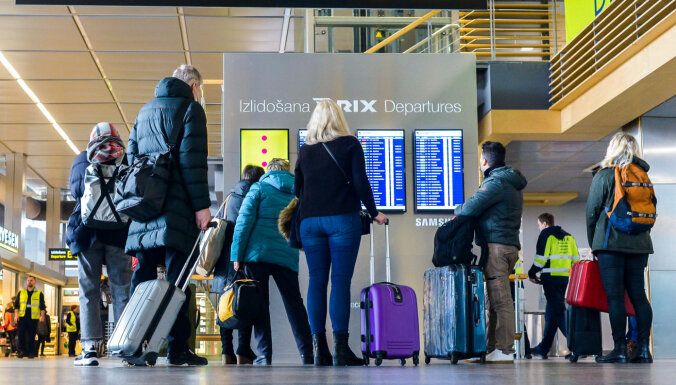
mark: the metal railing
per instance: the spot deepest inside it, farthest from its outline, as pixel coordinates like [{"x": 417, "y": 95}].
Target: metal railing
[{"x": 606, "y": 40}]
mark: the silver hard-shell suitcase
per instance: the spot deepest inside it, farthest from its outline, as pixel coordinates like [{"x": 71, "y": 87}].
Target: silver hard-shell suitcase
[{"x": 149, "y": 316}]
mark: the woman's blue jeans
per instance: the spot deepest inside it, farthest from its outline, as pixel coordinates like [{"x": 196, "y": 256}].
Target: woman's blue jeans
[{"x": 331, "y": 245}]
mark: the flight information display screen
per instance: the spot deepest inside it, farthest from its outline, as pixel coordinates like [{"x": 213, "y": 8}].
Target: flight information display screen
[
  {"x": 385, "y": 167},
  {"x": 302, "y": 134},
  {"x": 439, "y": 184}
]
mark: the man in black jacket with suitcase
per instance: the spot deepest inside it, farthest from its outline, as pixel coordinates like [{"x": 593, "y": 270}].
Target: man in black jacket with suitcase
[
  {"x": 498, "y": 205},
  {"x": 169, "y": 238}
]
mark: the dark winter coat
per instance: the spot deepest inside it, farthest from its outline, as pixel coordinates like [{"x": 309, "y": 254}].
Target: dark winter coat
[
  {"x": 601, "y": 195},
  {"x": 78, "y": 237},
  {"x": 499, "y": 205},
  {"x": 189, "y": 189},
  {"x": 223, "y": 268}
]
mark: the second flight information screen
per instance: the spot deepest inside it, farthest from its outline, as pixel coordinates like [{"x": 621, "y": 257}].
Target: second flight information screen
[
  {"x": 385, "y": 167},
  {"x": 438, "y": 170}
]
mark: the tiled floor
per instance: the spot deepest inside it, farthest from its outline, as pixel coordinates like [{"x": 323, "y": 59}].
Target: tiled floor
[{"x": 60, "y": 371}]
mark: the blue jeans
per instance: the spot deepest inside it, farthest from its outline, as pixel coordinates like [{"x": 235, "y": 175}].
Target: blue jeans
[
  {"x": 331, "y": 244},
  {"x": 555, "y": 313},
  {"x": 90, "y": 263}
]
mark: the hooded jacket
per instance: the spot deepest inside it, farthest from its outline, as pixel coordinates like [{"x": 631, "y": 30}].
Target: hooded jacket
[
  {"x": 601, "y": 195},
  {"x": 555, "y": 253},
  {"x": 498, "y": 204},
  {"x": 256, "y": 237},
  {"x": 188, "y": 188},
  {"x": 79, "y": 237}
]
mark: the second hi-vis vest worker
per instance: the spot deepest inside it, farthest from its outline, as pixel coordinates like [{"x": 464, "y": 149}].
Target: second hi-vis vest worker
[
  {"x": 555, "y": 253},
  {"x": 34, "y": 303},
  {"x": 71, "y": 324}
]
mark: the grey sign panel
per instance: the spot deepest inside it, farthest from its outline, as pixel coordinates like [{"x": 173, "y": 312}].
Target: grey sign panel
[{"x": 380, "y": 91}]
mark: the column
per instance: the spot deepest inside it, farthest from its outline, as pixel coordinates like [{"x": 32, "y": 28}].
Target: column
[
  {"x": 16, "y": 181},
  {"x": 53, "y": 227}
]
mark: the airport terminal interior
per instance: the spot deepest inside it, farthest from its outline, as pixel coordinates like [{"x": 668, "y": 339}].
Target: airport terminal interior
[{"x": 423, "y": 86}]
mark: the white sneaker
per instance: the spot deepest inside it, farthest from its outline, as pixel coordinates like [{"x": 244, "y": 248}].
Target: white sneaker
[
  {"x": 87, "y": 358},
  {"x": 498, "y": 357}
]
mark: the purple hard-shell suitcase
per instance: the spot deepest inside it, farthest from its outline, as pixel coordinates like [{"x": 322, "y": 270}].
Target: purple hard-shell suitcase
[{"x": 389, "y": 318}]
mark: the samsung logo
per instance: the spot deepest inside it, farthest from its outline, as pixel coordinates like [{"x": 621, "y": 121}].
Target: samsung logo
[{"x": 431, "y": 222}]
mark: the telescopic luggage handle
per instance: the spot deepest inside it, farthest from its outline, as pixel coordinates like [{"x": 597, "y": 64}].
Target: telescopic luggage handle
[
  {"x": 183, "y": 279},
  {"x": 387, "y": 254}
]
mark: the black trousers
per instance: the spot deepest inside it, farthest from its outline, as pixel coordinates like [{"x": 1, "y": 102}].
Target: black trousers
[
  {"x": 620, "y": 271},
  {"x": 146, "y": 270},
  {"x": 243, "y": 342},
  {"x": 555, "y": 314},
  {"x": 28, "y": 328},
  {"x": 287, "y": 283},
  {"x": 72, "y": 342},
  {"x": 40, "y": 345}
]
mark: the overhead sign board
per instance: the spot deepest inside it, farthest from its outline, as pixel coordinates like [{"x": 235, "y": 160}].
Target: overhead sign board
[
  {"x": 61, "y": 255},
  {"x": 9, "y": 240},
  {"x": 377, "y": 4}
]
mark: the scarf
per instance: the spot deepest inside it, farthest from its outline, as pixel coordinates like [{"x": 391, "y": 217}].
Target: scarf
[{"x": 105, "y": 145}]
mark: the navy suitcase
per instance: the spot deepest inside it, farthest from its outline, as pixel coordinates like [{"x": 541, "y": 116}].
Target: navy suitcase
[{"x": 454, "y": 313}]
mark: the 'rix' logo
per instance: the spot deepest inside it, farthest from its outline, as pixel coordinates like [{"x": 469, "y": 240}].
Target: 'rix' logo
[{"x": 355, "y": 105}]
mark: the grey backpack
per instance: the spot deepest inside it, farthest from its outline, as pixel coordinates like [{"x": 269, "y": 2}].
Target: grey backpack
[{"x": 97, "y": 207}]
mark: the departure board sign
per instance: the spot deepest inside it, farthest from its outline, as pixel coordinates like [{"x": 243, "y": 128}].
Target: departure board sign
[
  {"x": 439, "y": 184},
  {"x": 385, "y": 167},
  {"x": 258, "y": 146},
  {"x": 61, "y": 255},
  {"x": 377, "y": 4},
  {"x": 302, "y": 134}
]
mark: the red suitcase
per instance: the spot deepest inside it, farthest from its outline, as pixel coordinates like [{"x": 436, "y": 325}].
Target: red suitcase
[{"x": 586, "y": 289}]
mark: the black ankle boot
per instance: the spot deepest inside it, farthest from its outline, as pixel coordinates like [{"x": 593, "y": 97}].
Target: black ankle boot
[
  {"x": 642, "y": 354},
  {"x": 618, "y": 355},
  {"x": 342, "y": 355},
  {"x": 322, "y": 352}
]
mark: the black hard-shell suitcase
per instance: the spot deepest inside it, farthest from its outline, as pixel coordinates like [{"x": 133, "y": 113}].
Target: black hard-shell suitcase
[
  {"x": 584, "y": 332},
  {"x": 150, "y": 314}
]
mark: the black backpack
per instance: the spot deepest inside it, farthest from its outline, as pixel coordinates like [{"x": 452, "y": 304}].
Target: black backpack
[
  {"x": 142, "y": 187},
  {"x": 453, "y": 243}
]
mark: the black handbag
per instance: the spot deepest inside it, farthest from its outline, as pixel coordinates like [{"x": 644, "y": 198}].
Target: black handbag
[
  {"x": 240, "y": 304},
  {"x": 142, "y": 188},
  {"x": 364, "y": 217}
]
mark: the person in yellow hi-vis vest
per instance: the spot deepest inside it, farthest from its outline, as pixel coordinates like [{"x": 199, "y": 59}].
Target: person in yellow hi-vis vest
[
  {"x": 556, "y": 251},
  {"x": 29, "y": 308},
  {"x": 73, "y": 328}
]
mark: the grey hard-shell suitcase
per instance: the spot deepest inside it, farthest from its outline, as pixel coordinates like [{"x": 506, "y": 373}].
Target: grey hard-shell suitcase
[{"x": 149, "y": 316}]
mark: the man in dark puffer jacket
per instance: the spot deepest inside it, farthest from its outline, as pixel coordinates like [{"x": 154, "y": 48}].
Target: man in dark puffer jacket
[
  {"x": 498, "y": 205},
  {"x": 169, "y": 238}
]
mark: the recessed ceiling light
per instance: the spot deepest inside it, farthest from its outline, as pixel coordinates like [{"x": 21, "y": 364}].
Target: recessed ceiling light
[{"x": 12, "y": 71}]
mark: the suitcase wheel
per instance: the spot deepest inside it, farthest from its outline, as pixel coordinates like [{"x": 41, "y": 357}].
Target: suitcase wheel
[
  {"x": 402, "y": 362},
  {"x": 482, "y": 359},
  {"x": 454, "y": 358},
  {"x": 366, "y": 359},
  {"x": 379, "y": 361},
  {"x": 151, "y": 359},
  {"x": 428, "y": 359},
  {"x": 573, "y": 358},
  {"x": 416, "y": 358}
]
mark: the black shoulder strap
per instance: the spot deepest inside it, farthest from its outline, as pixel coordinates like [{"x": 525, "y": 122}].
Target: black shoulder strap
[
  {"x": 336, "y": 162},
  {"x": 178, "y": 123}
]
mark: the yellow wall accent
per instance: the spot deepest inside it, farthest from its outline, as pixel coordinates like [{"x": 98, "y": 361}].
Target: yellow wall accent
[{"x": 579, "y": 13}]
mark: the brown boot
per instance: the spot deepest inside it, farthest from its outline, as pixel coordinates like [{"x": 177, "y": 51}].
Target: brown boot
[
  {"x": 631, "y": 348},
  {"x": 244, "y": 360},
  {"x": 228, "y": 359}
]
